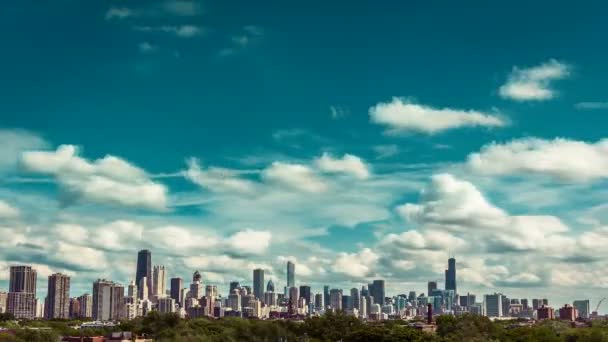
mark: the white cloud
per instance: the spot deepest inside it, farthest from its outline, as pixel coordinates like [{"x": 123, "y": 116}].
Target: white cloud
[
  {"x": 358, "y": 265},
  {"x": 15, "y": 141},
  {"x": 534, "y": 84},
  {"x": 403, "y": 115},
  {"x": 106, "y": 180},
  {"x": 183, "y": 31},
  {"x": 118, "y": 13},
  {"x": 296, "y": 176},
  {"x": 146, "y": 47},
  {"x": 564, "y": 159},
  {"x": 385, "y": 151},
  {"x": 8, "y": 211},
  {"x": 455, "y": 205},
  {"x": 118, "y": 235},
  {"x": 349, "y": 164},
  {"x": 250, "y": 241},
  {"x": 217, "y": 179},
  {"x": 182, "y": 7},
  {"x": 591, "y": 105},
  {"x": 338, "y": 112}
]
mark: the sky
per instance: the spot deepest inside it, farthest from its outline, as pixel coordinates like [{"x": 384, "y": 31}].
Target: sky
[{"x": 361, "y": 140}]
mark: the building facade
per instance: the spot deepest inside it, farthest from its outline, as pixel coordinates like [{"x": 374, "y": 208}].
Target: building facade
[
  {"x": 57, "y": 305},
  {"x": 21, "y": 298}
]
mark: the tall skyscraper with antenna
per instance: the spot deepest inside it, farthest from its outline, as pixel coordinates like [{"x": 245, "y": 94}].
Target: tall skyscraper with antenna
[{"x": 450, "y": 275}]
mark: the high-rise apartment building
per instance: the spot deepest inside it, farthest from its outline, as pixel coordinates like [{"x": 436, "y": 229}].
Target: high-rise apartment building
[
  {"x": 21, "y": 298},
  {"x": 108, "y": 300},
  {"x": 144, "y": 269},
  {"x": 86, "y": 305},
  {"x": 57, "y": 304}
]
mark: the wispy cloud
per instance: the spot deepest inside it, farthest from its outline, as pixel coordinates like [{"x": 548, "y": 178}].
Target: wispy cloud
[
  {"x": 238, "y": 42},
  {"x": 534, "y": 84},
  {"x": 591, "y": 105},
  {"x": 118, "y": 13},
  {"x": 145, "y": 47},
  {"x": 183, "y": 31},
  {"x": 403, "y": 115},
  {"x": 338, "y": 112}
]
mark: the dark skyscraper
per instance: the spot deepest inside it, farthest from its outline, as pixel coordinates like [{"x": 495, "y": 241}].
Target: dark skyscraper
[
  {"x": 177, "y": 284},
  {"x": 432, "y": 285},
  {"x": 326, "y": 295},
  {"x": 450, "y": 275},
  {"x": 233, "y": 285},
  {"x": 258, "y": 283},
  {"x": 305, "y": 293},
  {"x": 144, "y": 269},
  {"x": 291, "y": 274},
  {"x": 57, "y": 304},
  {"x": 376, "y": 290}
]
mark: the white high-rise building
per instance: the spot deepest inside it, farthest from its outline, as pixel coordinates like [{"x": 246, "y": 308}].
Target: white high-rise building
[
  {"x": 132, "y": 289},
  {"x": 234, "y": 300},
  {"x": 159, "y": 282},
  {"x": 143, "y": 287},
  {"x": 363, "y": 307}
]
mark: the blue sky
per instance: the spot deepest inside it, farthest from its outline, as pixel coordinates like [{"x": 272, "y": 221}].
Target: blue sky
[{"x": 362, "y": 141}]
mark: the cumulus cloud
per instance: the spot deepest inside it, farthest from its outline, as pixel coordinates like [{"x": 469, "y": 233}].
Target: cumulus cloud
[
  {"x": 250, "y": 241},
  {"x": 403, "y": 115},
  {"x": 8, "y": 211},
  {"x": 15, "y": 141},
  {"x": 455, "y": 205},
  {"x": 348, "y": 164},
  {"x": 534, "y": 84},
  {"x": 107, "y": 180},
  {"x": 296, "y": 176},
  {"x": 360, "y": 264},
  {"x": 568, "y": 160}
]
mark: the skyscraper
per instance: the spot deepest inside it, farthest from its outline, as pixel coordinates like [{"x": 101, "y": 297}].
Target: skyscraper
[
  {"x": 258, "y": 283},
  {"x": 144, "y": 269},
  {"x": 450, "y": 275},
  {"x": 305, "y": 293},
  {"x": 376, "y": 290},
  {"x": 176, "y": 289},
  {"x": 234, "y": 285},
  {"x": 493, "y": 305},
  {"x": 22, "y": 292},
  {"x": 335, "y": 299},
  {"x": 326, "y": 295},
  {"x": 102, "y": 300},
  {"x": 432, "y": 285},
  {"x": 57, "y": 303},
  {"x": 291, "y": 274},
  {"x": 86, "y": 305},
  {"x": 355, "y": 299},
  {"x": 159, "y": 282},
  {"x": 270, "y": 286},
  {"x": 196, "y": 288}
]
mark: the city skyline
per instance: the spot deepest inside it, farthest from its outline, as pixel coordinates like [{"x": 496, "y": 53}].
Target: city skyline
[
  {"x": 110, "y": 302},
  {"x": 372, "y": 145}
]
